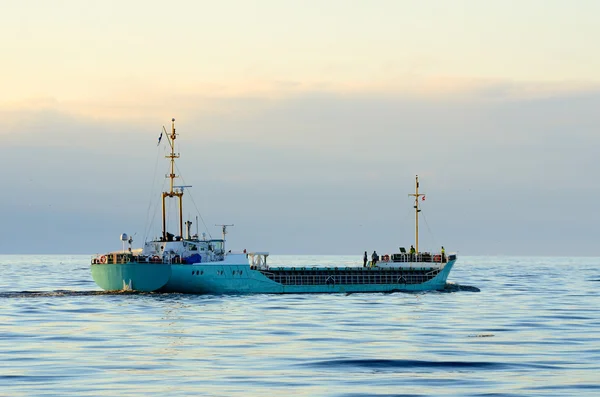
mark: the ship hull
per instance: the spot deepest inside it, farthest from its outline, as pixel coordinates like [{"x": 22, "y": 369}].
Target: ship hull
[{"x": 215, "y": 278}]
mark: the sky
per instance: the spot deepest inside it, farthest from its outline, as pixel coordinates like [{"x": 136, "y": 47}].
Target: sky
[{"x": 303, "y": 123}]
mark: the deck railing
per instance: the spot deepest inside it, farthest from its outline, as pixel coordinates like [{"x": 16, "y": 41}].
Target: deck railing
[
  {"x": 427, "y": 257},
  {"x": 125, "y": 257}
]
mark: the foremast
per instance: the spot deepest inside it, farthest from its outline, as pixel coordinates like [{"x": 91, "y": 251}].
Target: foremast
[
  {"x": 172, "y": 193},
  {"x": 417, "y": 210}
]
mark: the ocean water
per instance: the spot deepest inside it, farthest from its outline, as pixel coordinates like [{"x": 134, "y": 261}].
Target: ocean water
[{"x": 507, "y": 326}]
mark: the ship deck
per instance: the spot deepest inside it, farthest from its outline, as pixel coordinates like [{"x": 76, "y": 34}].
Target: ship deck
[{"x": 349, "y": 275}]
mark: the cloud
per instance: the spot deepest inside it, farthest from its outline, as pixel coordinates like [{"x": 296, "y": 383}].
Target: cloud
[{"x": 314, "y": 172}]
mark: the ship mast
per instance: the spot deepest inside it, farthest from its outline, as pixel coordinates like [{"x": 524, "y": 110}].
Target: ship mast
[
  {"x": 172, "y": 193},
  {"x": 417, "y": 210}
]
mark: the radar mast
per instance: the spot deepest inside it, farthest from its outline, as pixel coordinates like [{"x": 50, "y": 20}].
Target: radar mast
[
  {"x": 172, "y": 193},
  {"x": 417, "y": 210}
]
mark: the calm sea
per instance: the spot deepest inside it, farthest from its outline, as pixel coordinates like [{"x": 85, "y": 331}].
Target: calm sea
[{"x": 507, "y": 326}]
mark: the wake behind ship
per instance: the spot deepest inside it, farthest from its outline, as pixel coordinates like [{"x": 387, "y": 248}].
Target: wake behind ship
[{"x": 190, "y": 264}]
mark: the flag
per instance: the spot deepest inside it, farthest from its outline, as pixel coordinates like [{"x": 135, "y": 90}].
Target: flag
[
  {"x": 423, "y": 198},
  {"x": 159, "y": 138}
]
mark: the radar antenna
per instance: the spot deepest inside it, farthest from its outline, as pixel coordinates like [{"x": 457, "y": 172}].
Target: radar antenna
[{"x": 224, "y": 233}]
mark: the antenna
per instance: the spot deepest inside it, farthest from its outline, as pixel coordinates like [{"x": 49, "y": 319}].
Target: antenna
[
  {"x": 181, "y": 187},
  {"x": 224, "y": 233}
]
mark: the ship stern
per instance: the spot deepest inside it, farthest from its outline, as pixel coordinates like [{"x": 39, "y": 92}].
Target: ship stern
[{"x": 132, "y": 276}]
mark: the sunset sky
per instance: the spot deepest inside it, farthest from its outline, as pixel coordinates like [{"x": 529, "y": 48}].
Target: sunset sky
[{"x": 303, "y": 123}]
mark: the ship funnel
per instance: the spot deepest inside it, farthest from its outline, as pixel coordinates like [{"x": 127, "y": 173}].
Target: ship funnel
[{"x": 188, "y": 228}]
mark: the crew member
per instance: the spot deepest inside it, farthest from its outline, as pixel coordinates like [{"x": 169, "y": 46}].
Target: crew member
[{"x": 374, "y": 258}]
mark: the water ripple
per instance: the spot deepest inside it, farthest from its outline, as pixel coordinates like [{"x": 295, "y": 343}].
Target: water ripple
[
  {"x": 508, "y": 326},
  {"x": 408, "y": 364}
]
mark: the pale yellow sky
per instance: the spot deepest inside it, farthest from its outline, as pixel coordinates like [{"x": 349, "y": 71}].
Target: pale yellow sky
[{"x": 113, "y": 51}]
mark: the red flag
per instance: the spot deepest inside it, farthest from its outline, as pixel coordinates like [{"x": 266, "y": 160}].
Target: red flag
[{"x": 423, "y": 198}]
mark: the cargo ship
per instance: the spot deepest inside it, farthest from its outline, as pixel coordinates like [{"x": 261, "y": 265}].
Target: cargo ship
[{"x": 185, "y": 263}]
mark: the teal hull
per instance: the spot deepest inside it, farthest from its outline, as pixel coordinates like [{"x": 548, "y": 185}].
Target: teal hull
[
  {"x": 239, "y": 279},
  {"x": 145, "y": 277},
  {"x": 212, "y": 278}
]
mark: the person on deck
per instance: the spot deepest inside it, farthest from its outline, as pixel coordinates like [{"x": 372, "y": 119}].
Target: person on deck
[
  {"x": 412, "y": 250},
  {"x": 374, "y": 258},
  {"x": 365, "y": 258},
  {"x": 443, "y": 254}
]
